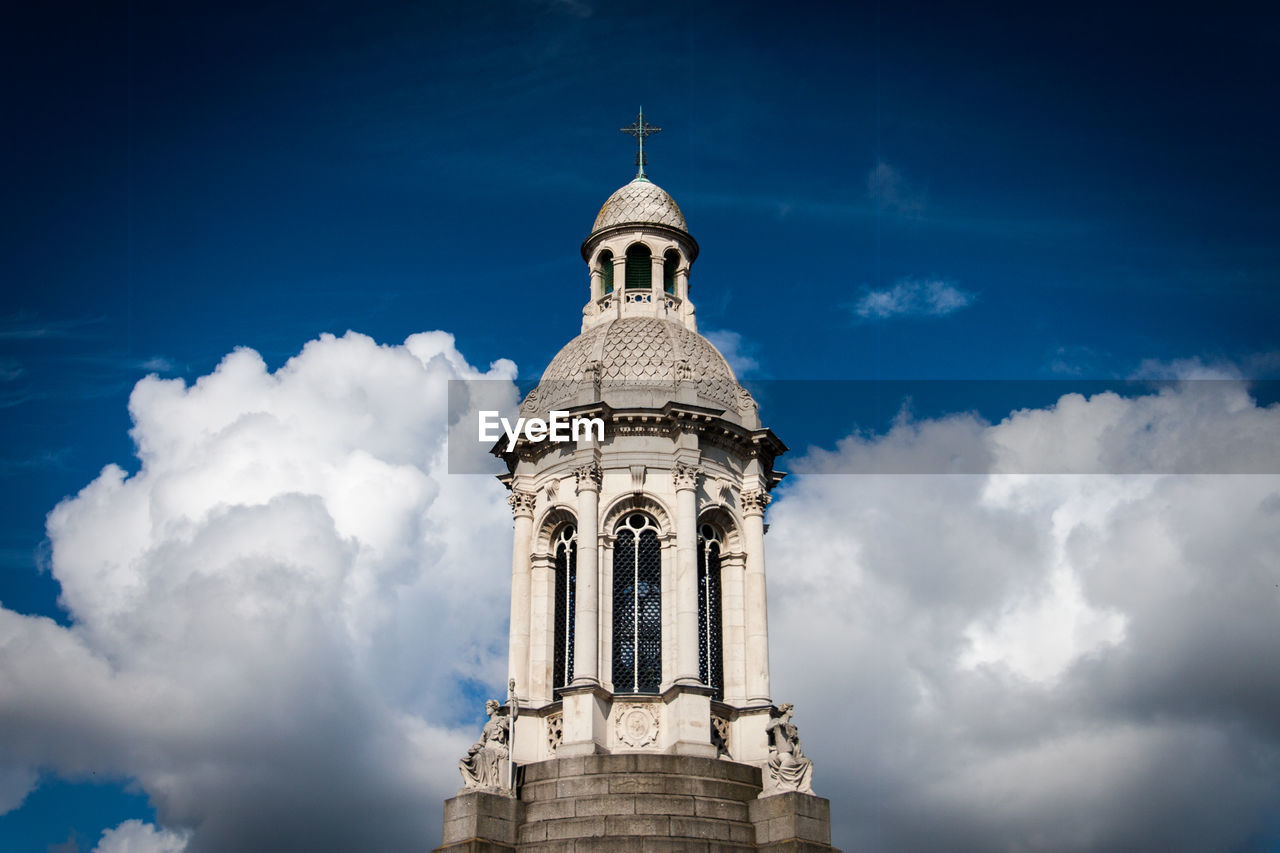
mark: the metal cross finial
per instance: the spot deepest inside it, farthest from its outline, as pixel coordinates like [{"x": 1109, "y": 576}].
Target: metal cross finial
[{"x": 640, "y": 130}]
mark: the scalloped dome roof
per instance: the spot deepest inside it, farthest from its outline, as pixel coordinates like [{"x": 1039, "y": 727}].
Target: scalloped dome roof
[
  {"x": 640, "y": 201},
  {"x": 640, "y": 353}
]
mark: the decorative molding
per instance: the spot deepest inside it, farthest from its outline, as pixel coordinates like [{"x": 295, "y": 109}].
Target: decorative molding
[
  {"x": 522, "y": 502},
  {"x": 589, "y": 477},
  {"x": 637, "y": 478},
  {"x": 636, "y": 725},
  {"x": 550, "y": 489},
  {"x": 754, "y": 501},
  {"x": 685, "y": 476}
]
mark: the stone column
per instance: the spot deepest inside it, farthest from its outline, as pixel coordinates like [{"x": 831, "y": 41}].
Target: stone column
[
  {"x": 656, "y": 266},
  {"x": 757, "y": 619},
  {"x": 686, "y": 482},
  {"x": 522, "y": 504},
  {"x": 619, "y": 284},
  {"x": 586, "y": 667}
]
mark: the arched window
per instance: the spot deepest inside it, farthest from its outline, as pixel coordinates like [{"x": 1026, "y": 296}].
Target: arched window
[
  {"x": 566, "y": 553},
  {"x": 670, "y": 262},
  {"x": 710, "y": 635},
  {"x": 637, "y": 606},
  {"x": 606, "y": 271},
  {"x": 639, "y": 267}
]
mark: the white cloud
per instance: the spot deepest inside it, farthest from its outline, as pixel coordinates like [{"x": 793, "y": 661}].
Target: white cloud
[
  {"x": 281, "y": 621},
  {"x": 1011, "y": 661},
  {"x": 290, "y": 603},
  {"x": 913, "y": 297},
  {"x": 736, "y": 350},
  {"x": 134, "y": 836}
]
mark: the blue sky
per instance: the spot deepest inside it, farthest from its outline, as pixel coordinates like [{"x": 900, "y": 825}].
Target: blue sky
[{"x": 906, "y": 191}]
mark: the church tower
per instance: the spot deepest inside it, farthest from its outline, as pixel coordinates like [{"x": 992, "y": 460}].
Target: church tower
[{"x": 640, "y": 704}]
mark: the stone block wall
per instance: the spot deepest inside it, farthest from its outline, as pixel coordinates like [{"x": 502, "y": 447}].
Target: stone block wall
[{"x": 638, "y": 803}]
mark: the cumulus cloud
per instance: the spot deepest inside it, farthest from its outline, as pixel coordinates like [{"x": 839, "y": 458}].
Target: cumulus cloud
[
  {"x": 736, "y": 350},
  {"x": 281, "y": 620},
  {"x": 912, "y": 297},
  {"x": 134, "y": 836},
  {"x": 1008, "y": 661}
]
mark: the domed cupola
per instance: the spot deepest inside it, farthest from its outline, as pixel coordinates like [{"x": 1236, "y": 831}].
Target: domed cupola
[
  {"x": 639, "y": 252},
  {"x": 640, "y": 202},
  {"x": 646, "y": 362}
]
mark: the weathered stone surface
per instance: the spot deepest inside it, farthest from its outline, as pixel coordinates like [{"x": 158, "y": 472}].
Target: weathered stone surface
[
  {"x": 480, "y": 822},
  {"x": 663, "y": 804},
  {"x": 608, "y": 805},
  {"x": 792, "y": 817},
  {"x": 641, "y": 803}
]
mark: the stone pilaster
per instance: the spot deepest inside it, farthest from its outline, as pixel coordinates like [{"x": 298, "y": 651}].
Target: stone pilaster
[
  {"x": 686, "y": 484},
  {"x": 522, "y": 504},
  {"x": 753, "y": 504},
  {"x": 586, "y": 664}
]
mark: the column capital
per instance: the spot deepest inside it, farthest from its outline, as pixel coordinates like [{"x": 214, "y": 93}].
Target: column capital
[
  {"x": 685, "y": 476},
  {"x": 588, "y": 477},
  {"x": 522, "y": 503},
  {"x": 754, "y": 501}
]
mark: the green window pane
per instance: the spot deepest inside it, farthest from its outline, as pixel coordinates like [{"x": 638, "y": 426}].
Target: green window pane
[{"x": 639, "y": 268}]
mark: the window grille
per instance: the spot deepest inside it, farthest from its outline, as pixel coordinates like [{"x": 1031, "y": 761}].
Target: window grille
[
  {"x": 710, "y": 633},
  {"x": 639, "y": 267},
  {"x": 606, "y": 271},
  {"x": 566, "y": 567},
  {"x": 637, "y": 606}
]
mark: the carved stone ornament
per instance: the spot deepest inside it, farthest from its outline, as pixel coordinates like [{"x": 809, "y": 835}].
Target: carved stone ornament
[
  {"x": 555, "y": 731},
  {"x": 788, "y": 768},
  {"x": 521, "y": 502},
  {"x": 754, "y": 501},
  {"x": 720, "y": 735},
  {"x": 530, "y": 403},
  {"x": 746, "y": 403},
  {"x": 588, "y": 476},
  {"x": 550, "y": 489},
  {"x": 592, "y": 373},
  {"x": 686, "y": 476},
  {"x": 637, "y": 725}
]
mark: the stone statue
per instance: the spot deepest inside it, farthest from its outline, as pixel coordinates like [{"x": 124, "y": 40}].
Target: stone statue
[
  {"x": 482, "y": 766},
  {"x": 788, "y": 769}
]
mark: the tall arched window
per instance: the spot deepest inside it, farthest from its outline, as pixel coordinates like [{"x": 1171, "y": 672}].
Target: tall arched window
[
  {"x": 637, "y": 606},
  {"x": 606, "y": 271},
  {"x": 670, "y": 262},
  {"x": 566, "y": 554},
  {"x": 710, "y": 635},
  {"x": 639, "y": 267}
]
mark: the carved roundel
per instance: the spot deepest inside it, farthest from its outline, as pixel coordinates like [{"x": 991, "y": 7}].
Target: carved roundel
[{"x": 637, "y": 725}]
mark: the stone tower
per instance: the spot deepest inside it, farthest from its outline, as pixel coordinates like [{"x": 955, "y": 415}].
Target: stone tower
[{"x": 640, "y": 716}]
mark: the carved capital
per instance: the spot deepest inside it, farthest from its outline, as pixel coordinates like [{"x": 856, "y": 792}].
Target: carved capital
[
  {"x": 588, "y": 477},
  {"x": 686, "y": 476},
  {"x": 754, "y": 501},
  {"x": 521, "y": 503}
]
